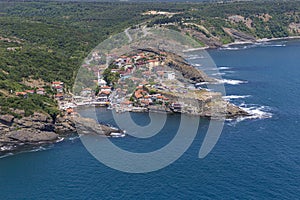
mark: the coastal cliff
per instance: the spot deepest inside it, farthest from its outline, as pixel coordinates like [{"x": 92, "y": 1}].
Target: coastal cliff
[{"x": 40, "y": 128}]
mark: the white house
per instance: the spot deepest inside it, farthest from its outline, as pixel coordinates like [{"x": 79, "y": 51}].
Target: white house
[
  {"x": 101, "y": 82},
  {"x": 169, "y": 75}
]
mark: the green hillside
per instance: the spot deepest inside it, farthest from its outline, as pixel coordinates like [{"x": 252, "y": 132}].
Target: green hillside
[{"x": 42, "y": 42}]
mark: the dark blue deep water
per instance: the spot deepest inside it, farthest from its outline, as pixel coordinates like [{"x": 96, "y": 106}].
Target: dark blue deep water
[{"x": 253, "y": 159}]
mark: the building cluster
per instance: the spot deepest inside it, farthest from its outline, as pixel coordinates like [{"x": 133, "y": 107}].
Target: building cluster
[
  {"x": 40, "y": 91},
  {"x": 142, "y": 97},
  {"x": 144, "y": 81},
  {"x": 143, "y": 62},
  {"x": 58, "y": 88}
]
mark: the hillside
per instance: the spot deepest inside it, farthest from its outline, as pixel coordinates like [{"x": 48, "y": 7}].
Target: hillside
[{"x": 42, "y": 42}]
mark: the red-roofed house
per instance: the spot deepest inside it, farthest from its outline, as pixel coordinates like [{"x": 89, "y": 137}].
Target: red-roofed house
[
  {"x": 57, "y": 83},
  {"x": 24, "y": 94},
  {"x": 40, "y": 91},
  {"x": 86, "y": 92},
  {"x": 138, "y": 94},
  {"x": 139, "y": 87},
  {"x": 30, "y": 91},
  {"x": 152, "y": 63},
  {"x": 105, "y": 88},
  {"x": 105, "y": 92},
  {"x": 59, "y": 96}
]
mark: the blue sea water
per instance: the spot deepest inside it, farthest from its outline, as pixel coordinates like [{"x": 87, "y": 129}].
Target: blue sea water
[{"x": 253, "y": 159}]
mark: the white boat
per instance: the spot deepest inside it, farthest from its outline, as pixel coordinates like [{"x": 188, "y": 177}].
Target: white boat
[{"x": 115, "y": 134}]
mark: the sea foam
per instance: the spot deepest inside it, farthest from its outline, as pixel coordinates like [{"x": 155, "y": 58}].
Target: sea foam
[{"x": 229, "y": 97}]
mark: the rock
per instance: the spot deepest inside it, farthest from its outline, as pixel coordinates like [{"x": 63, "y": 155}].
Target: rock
[
  {"x": 19, "y": 112},
  {"x": 40, "y": 117},
  {"x": 239, "y": 36},
  {"x": 188, "y": 72},
  {"x": 234, "y": 111},
  {"x": 23, "y": 123},
  {"x": 7, "y": 119},
  {"x": 91, "y": 126},
  {"x": 32, "y": 135},
  {"x": 44, "y": 126}
]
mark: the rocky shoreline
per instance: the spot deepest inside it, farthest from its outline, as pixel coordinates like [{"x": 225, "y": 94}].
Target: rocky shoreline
[
  {"x": 17, "y": 133},
  {"x": 39, "y": 129},
  {"x": 249, "y": 42}
]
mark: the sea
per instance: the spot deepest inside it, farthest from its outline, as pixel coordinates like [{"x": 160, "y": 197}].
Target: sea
[{"x": 254, "y": 158}]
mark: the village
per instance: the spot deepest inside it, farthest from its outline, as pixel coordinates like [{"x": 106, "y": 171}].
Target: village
[{"x": 138, "y": 82}]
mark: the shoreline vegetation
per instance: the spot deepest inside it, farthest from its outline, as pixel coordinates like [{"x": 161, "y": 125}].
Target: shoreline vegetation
[{"x": 42, "y": 45}]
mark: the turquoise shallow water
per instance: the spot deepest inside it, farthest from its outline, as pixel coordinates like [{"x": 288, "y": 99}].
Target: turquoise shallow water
[{"x": 253, "y": 159}]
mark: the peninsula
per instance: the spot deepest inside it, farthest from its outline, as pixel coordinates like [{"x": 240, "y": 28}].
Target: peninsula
[
  {"x": 153, "y": 80},
  {"x": 41, "y": 52}
]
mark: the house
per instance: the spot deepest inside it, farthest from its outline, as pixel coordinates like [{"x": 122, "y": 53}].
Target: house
[
  {"x": 138, "y": 94},
  {"x": 145, "y": 102},
  {"x": 86, "y": 92},
  {"x": 57, "y": 83},
  {"x": 105, "y": 92},
  {"x": 59, "y": 96},
  {"x": 152, "y": 63},
  {"x": 105, "y": 88},
  {"x": 176, "y": 107},
  {"x": 101, "y": 82},
  {"x": 29, "y": 91},
  {"x": 146, "y": 73},
  {"x": 127, "y": 103},
  {"x": 40, "y": 91},
  {"x": 160, "y": 73},
  {"x": 59, "y": 89},
  {"x": 70, "y": 110},
  {"x": 58, "y": 86},
  {"x": 102, "y": 97},
  {"x": 114, "y": 70},
  {"x": 236, "y": 18},
  {"x": 169, "y": 75},
  {"x": 24, "y": 94},
  {"x": 139, "y": 87}
]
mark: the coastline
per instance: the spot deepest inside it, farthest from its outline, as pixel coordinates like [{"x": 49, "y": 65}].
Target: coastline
[
  {"x": 196, "y": 49},
  {"x": 51, "y": 133},
  {"x": 259, "y": 41},
  {"x": 29, "y": 133}
]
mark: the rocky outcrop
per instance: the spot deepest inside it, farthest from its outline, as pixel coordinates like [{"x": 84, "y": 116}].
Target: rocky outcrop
[
  {"x": 189, "y": 72},
  {"x": 30, "y": 135},
  {"x": 6, "y": 119},
  {"x": 17, "y": 133},
  {"x": 239, "y": 36},
  {"x": 91, "y": 126},
  {"x": 209, "y": 41}
]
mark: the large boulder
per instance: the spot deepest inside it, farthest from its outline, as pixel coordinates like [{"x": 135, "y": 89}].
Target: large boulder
[
  {"x": 7, "y": 119},
  {"x": 40, "y": 117},
  {"x": 32, "y": 136}
]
